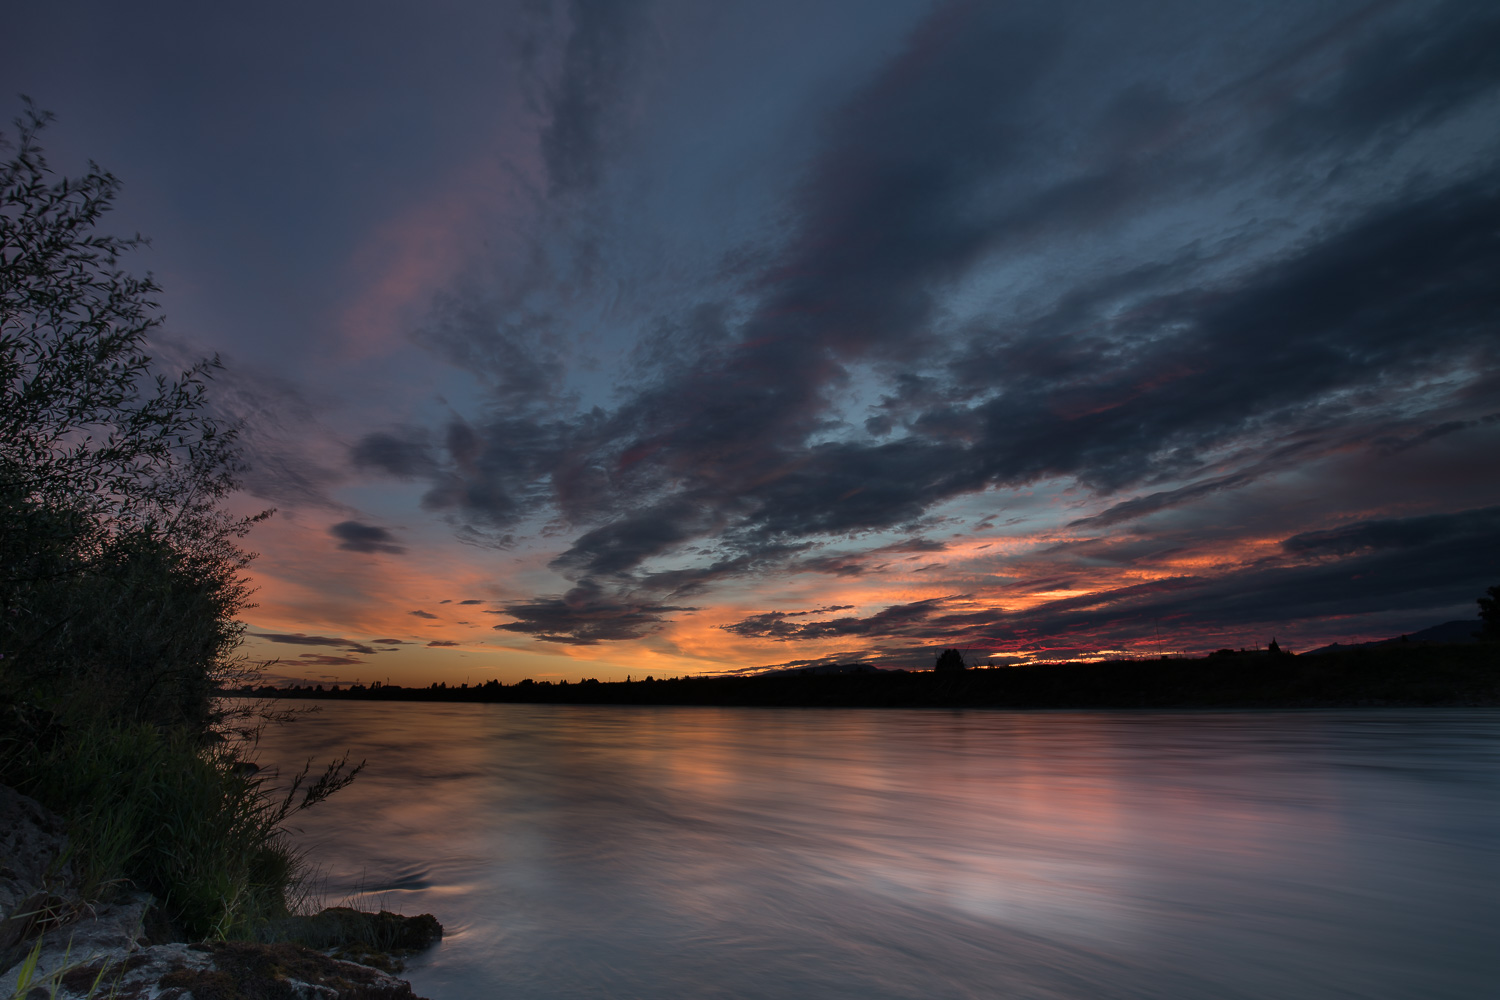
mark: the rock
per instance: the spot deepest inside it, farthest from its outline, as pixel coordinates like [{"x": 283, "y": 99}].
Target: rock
[
  {"x": 232, "y": 970},
  {"x": 104, "y": 932},
  {"x": 37, "y": 888},
  {"x": 52, "y": 940},
  {"x": 32, "y": 839},
  {"x": 380, "y": 939},
  {"x": 119, "y": 974},
  {"x": 285, "y": 971}
]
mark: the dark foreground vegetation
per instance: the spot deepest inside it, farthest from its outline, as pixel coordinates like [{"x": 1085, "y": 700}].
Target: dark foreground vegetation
[
  {"x": 1458, "y": 674},
  {"x": 120, "y": 589}
]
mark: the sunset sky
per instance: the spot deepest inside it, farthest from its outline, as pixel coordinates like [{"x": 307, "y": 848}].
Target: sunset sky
[{"x": 603, "y": 337}]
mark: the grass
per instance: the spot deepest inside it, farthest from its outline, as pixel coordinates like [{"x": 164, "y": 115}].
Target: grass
[
  {"x": 28, "y": 983},
  {"x": 182, "y": 818}
]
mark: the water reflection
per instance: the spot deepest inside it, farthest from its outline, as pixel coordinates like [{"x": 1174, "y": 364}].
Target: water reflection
[{"x": 609, "y": 852}]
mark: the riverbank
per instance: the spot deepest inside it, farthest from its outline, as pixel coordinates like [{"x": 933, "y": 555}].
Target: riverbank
[
  {"x": 1416, "y": 674},
  {"x": 58, "y": 938}
]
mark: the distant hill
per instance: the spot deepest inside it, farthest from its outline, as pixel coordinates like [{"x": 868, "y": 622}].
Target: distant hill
[{"x": 1447, "y": 632}]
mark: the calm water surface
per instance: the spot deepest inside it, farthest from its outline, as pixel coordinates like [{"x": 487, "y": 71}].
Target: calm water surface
[{"x": 742, "y": 853}]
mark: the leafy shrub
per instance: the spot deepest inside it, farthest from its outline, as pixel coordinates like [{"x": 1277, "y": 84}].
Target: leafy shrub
[
  {"x": 120, "y": 579},
  {"x": 118, "y": 564}
]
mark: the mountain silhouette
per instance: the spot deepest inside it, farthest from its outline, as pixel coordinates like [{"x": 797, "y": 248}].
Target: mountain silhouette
[{"x": 1455, "y": 631}]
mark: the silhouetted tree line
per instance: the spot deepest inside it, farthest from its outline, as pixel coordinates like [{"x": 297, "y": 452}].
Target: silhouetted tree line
[
  {"x": 1413, "y": 674},
  {"x": 1489, "y": 614}
]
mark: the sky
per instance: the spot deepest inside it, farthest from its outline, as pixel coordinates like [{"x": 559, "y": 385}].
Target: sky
[{"x": 607, "y": 338}]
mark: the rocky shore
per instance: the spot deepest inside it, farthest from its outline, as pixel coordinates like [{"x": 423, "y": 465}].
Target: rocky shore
[{"x": 55, "y": 944}]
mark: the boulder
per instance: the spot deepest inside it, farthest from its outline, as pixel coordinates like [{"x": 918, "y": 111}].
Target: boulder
[
  {"x": 37, "y": 886},
  {"x": 381, "y": 939},
  {"x": 69, "y": 948}
]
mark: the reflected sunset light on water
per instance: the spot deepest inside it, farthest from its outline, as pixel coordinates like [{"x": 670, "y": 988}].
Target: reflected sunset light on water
[{"x": 686, "y": 852}]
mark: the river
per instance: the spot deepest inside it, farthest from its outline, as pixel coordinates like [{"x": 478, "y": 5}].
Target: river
[{"x": 621, "y": 853}]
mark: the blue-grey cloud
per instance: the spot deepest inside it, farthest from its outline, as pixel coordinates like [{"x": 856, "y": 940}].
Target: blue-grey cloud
[
  {"x": 356, "y": 537},
  {"x": 585, "y": 616},
  {"x": 1398, "y": 533},
  {"x": 1194, "y": 371},
  {"x": 1428, "y": 564},
  {"x": 299, "y": 639},
  {"x": 596, "y": 60}
]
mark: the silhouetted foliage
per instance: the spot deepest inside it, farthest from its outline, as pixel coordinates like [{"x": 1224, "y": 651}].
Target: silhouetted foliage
[
  {"x": 120, "y": 580},
  {"x": 1489, "y": 613},
  {"x": 118, "y": 565},
  {"x": 950, "y": 659}
]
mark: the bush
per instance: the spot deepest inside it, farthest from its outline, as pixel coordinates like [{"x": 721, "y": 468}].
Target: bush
[
  {"x": 118, "y": 565},
  {"x": 120, "y": 579}
]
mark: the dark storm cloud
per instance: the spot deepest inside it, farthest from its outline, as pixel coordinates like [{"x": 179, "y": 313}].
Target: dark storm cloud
[
  {"x": 627, "y": 542},
  {"x": 1302, "y": 350},
  {"x": 503, "y": 340},
  {"x": 898, "y": 619},
  {"x": 391, "y": 642},
  {"x": 423, "y": 614},
  {"x": 443, "y": 642},
  {"x": 596, "y": 60},
  {"x": 1397, "y": 533},
  {"x": 1279, "y": 458},
  {"x": 356, "y": 537},
  {"x": 890, "y": 212},
  {"x": 1366, "y": 331},
  {"x": 683, "y": 583},
  {"x": 885, "y": 214},
  {"x": 405, "y": 454},
  {"x": 471, "y": 602},
  {"x": 1395, "y": 443},
  {"x": 1306, "y": 346},
  {"x": 1415, "y": 565},
  {"x": 298, "y": 639},
  {"x": 729, "y": 424},
  {"x": 847, "y": 563},
  {"x": 490, "y": 475},
  {"x": 1404, "y": 76},
  {"x": 586, "y": 615}
]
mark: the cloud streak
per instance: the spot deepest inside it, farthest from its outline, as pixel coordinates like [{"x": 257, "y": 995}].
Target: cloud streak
[
  {"x": 1411, "y": 565},
  {"x": 299, "y": 639}
]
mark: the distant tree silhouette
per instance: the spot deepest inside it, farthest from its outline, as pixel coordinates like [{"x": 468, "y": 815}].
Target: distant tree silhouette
[
  {"x": 1489, "y": 613},
  {"x": 950, "y": 659}
]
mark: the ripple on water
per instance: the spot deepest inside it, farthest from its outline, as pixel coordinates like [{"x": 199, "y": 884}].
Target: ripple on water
[{"x": 586, "y": 852}]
